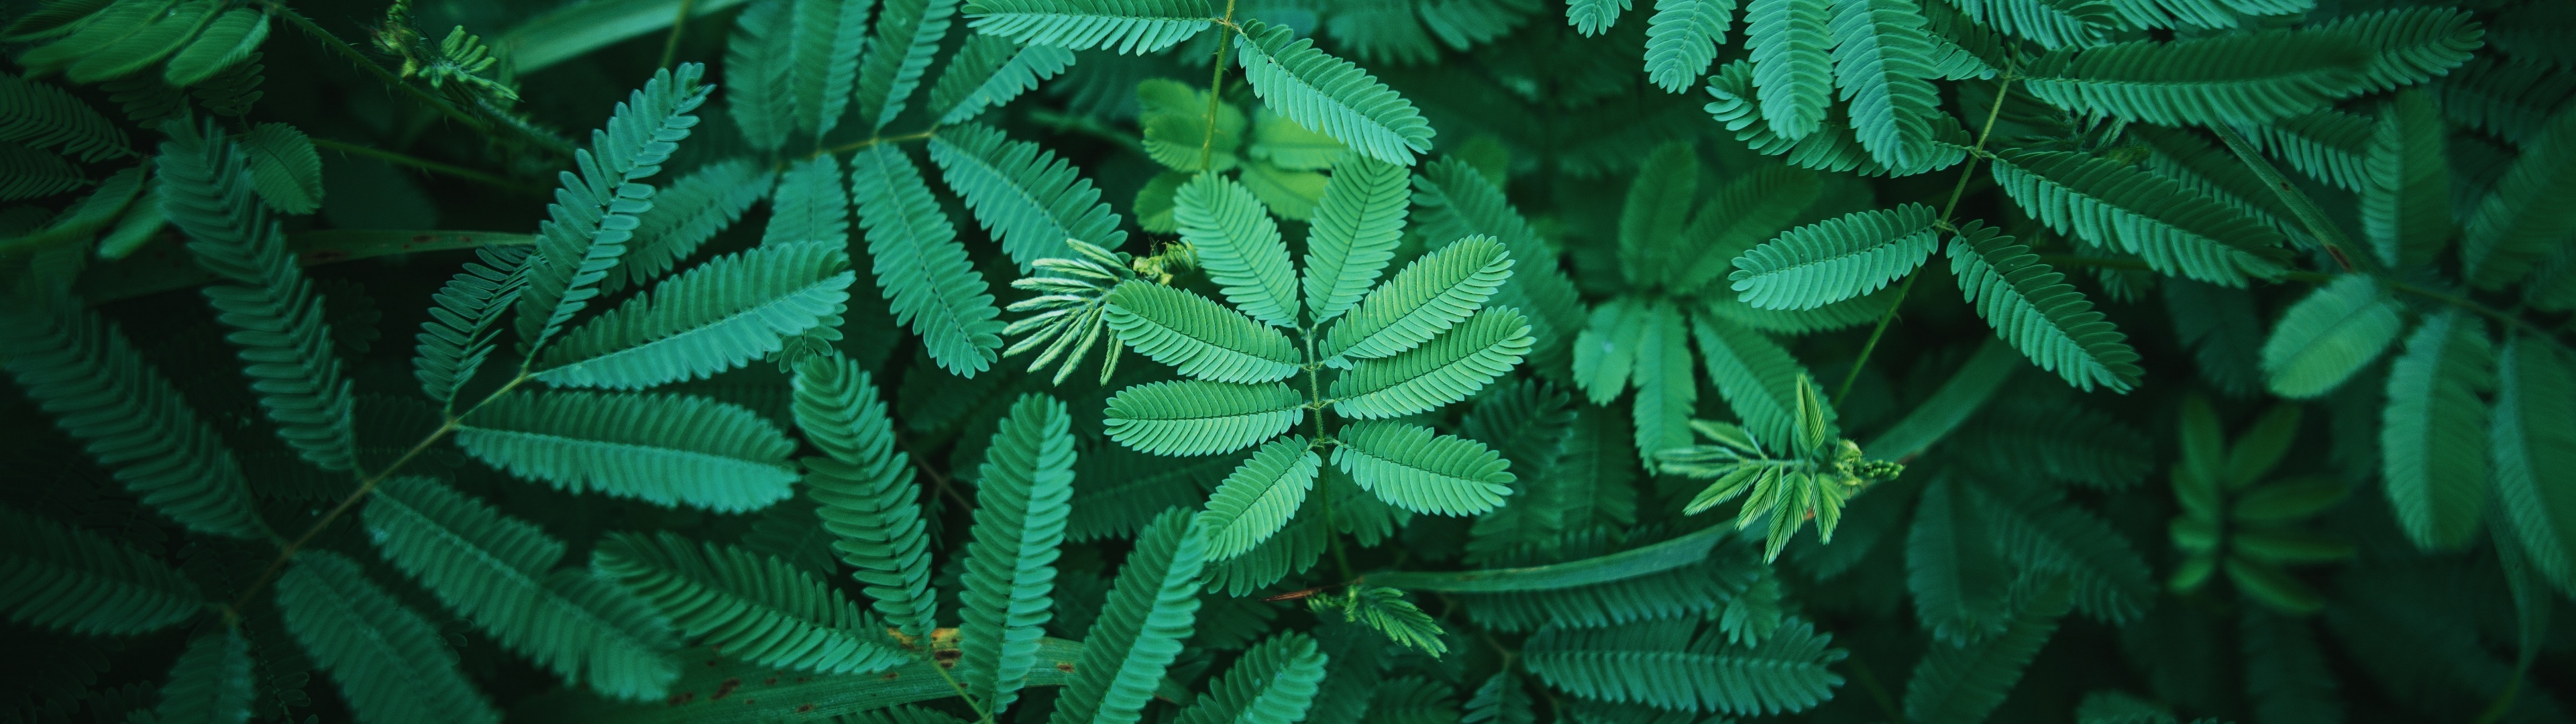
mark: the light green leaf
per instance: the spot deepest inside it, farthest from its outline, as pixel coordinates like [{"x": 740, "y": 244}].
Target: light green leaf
[
  {"x": 1239, "y": 246},
  {"x": 1259, "y": 497},
  {"x": 1140, "y": 630},
  {"x": 1196, "y": 335},
  {"x": 1355, "y": 231},
  {"x": 1126, "y": 26},
  {"x": 750, "y": 607},
  {"x": 662, "y": 449},
  {"x": 1835, "y": 259},
  {"x": 1021, "y": 500},
  {"x": 1450, "y": 368},
  {"x": 1331, "y": 95},
  {"x": 1201, "y": 418},
  {"x": 1792, "y": 73},
  {"x": 392, "y": 666},
  {"x": 1408, "y": 467},
  {"x": 2031, "y": 306},
  {"x": 716, "y": 317},
  {"x": 928, "y": 281},
  {"x": 1426, "y": 299}
]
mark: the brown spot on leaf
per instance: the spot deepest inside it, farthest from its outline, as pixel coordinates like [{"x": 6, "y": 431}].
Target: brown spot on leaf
[
  {"x": 683, "y": 697},
  {"x": 1064, "y": 666},
  {"x": 802, "y": 708},
  {"x": 726, "y": 689}
]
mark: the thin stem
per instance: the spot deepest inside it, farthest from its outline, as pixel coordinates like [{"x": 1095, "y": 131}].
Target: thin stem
[
  {"x": 2300, "y": 205},
  {"x": 939, "y": 481},
  {"x": 980, "y": 713},
  {"x": 1216, "y": 79},
  {"x": 671, "y": 42},
  {"x": 856, "y": 145},
  {"x": 351, "y": 53},
  {"x": 429, "y": 165},
  {"x": 1957, "y": 191},
  {"x": 365, "y": 487}
]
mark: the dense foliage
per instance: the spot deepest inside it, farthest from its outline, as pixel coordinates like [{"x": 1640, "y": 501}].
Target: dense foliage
[{"x": 1281, "y": 361}]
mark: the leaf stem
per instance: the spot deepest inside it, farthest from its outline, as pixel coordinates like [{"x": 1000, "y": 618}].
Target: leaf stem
[
  {"x": 1216, "y": 78},
  {"x": 2002, "y": 90},
  {"x": 430, "y": 166},
  {"x": 2300, "y": 205},
  {"x": 985, "y": 716},
  {"x": 671, "y": 42},
  {"x": 856, "y": 145},
  {"x": 2508, "y": 318},
  {"x": 351, "y": 53}
]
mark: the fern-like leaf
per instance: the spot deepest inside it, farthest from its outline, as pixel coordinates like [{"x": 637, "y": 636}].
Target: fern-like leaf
[
  {"x": 1792, "y": 72},
  {"x": 391, "y": 664},
  {"x": 1662, "y": 664},
  {"x": 1258, "y": 498},
  {"x": 2432, "y": 439},
  {"x": 596, "y": 212},
  {"x": 284, "y": 343},
  {"x": 42, "y": 116},
  {"x": 81, "y": 370},
  {"x": 907, "y": 35},
  {"x": 1409, "y": 467},
  {"x": 2530, "y": 442},
  {"x": 1594, "y": 17},
  {"x": 1239, "y": 245},
  {"x": 2039, "y": 531},
  {"x": 210, "y": 683},
  {"x": 1190, "y": 417},
  {"x": 713, "y": 318},
  {"x": 1836, "y": 259},
  {"x": 1330, "y": 95},
  {"x": 1020, "y": 508},
  {"x": 1453, "y": 201},
  {"x": 1201, "y": 338},
  {"x": 2328, "y": 145},
  {"x": 2409, "y": 45},
  {"x": 1126, "y": 26},
  {"x": 1682, "y": 39},
  {"x": 1273, "y": 683},
  {"x": 59, "y": 577},
  {"x": 809, "y": 205},
  {"x": 663, "y": 449},
  {"x": 1758, "y": 379},
  {"x": 1962, "y": 684},
  {"x": 2516, "y": 225},
  {"x": 1355, "y": 231},
  {"x": 924, "y": 272},
  {"x": 1883, "y": 63},
  {"x": 2406, "y": 192},
  {"x": 1830, "y": 146},
  {"x": 1140, "y": 630},
  {"x": 753, "y": 608},
  {"x": 1030, "y": 200},
  {"x": 2053, "y": 24},
  {"x": 758, "y": 54},
  {"x": 1428, "y": 298},
  {"x": 1450, "y": 368},
  {"x": 990, "y": 71},
  {"x": 459, "y": 333},
  {"x": 2329, "y": 335},
  {"x": 689, "y": 212},
  {"x": 865, "y": 489},
  {"x": 493, "y": 570},
  {"x": 2236, "y": 78},
  {"x": 1958, "y": 579},
  {"x": 2176, "y": 230},
  {"x": 2030, "y": 305},
  {"x": 27, "y": 173},
  {"x": 230, "y": 40}
]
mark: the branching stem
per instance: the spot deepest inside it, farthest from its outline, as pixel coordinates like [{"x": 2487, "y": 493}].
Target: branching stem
[
  {"x": 1216, "y": 78},
  {"x": 351, "y": 53},
  {"x": 430, "y": 166},
  {"x": 2002, "y": 91}
]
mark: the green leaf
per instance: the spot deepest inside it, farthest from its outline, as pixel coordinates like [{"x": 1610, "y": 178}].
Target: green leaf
[
  {"x": 928, "y": 281},
  {"x": 1174, "y": 117},
  {"x": 907, "y": 35},
  {"x": 60, "y": 577},
  {"x": 596, "y": 212},
  {"x": 2514, "y": 227},
  {"x": 1454, "y": 201},
  {"x": 1126, "y": 26},
  {"x": 716, "y": 317},
  {"x": 2328, "y": 145},
  {"x": 1883, "y": 63},
  {"x": 85, "y": 374},
  {"x": 2053, "y": 24},
  {"x": 2030, "y": 305},
  {"x": 809, "y": 205},
  {"x": 1963, "y": 684},
  {"x": 759, "y": 54},
  {"x": 1273, "y": 683},
  {"x": 573, "y": 30},
  {"x": 1682, "y": 39},
  {"x": 1594, "y": 17},
  {"x": 990, "y": 71},
  {"x": 2410, "y": 45},
  {"x": 1655, "y": 213},
  {"x": 1662, "y": 664},
  {"x": 2406, "y": 199},
  {"x": 1021, "y": 501},
  {"x": 662, "y": 449},
  {"x": 863, "y": 483},
  {"x": 1029, "y": 199},
  {"x": 1502, "y": 700},
  {"x": 1835, "y": 259},
  {"x": 1408, "y": 467},
  {"x": 1700, "y": 588},
  {"x": 1758, "y": 379},
  {"x": 283, "y": 343},
  {"x": 1239, "y": 246},
  {"x": 1667, "y": 392},
  {"x": 1201, "y": 418},
  {"x": 392, "y": 666},
  {"x": 43, "y": 116},
  {"x": 1141, "y": 629},
  {"x": 2533, "y": 440},
  {"x": 1950, "y": 406},
  {"x": 1428, "y": 298},
  {"x": 2055, "y": 439},
  {"x": 1385, "y": 611},
  {"x": 1259, "y": 497},
  {"x": 125, "y": 54},
  {"x": 1624, "y": 565},
  {"x": 2329, "y": 335},
  {"x": 27, "y": 173},
  {"x": 211, "y": 682},
  {"x": 752, "y": 608},
  {"x": 494, "y": 571},
  {"x": 2175, "y": 229},
  {"x": 1791, "y": 70},
  {"x": 1354, "y": 235},
  {"x": 1291, "y": 194},
  {"x": 1199, "y": 337},
  {"x": 1331, "y": 95},
  {"x": 1605, "y": 352},
  {"x": 2236, "y": 78},
  {"x": 1292, "y": 147},
  {"x": 691, "y": 210},
  {"x": 2432, "y": 438},
  {"x": 231, "y": 39},
  {"x": 1959, "y": 580},
  {"x": 1450, "y": 368},
  {"x": 2039, "y": 531},
  {"x": 284, "y": 168}
]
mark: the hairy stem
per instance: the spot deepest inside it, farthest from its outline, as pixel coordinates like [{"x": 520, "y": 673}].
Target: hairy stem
[
  {"x": 1216, "y": 78},
  {"x": 351, "y": 53},
  {"x": 430, "y": 166}
]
